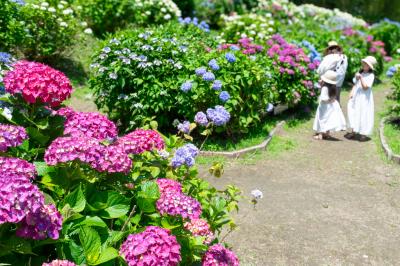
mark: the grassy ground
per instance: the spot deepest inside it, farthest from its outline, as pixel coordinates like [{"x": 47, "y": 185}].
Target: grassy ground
[{"x": 392, "y": 134}]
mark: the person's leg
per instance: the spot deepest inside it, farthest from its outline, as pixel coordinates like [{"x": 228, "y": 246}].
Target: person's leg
[{"x": 338, "y": 90}]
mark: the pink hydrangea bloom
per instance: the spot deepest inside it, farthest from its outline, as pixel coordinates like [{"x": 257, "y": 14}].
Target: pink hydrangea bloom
[
  {"x": 59, "y": 263},
  {"x": 175, "y": 203},
  {"x": 38, "y": 83},
  {"x": 154, "y": 246},
  {"x": 168, "y": 185},
  {"x": 18, "y": 197},
  {"x": 140, "y": 141},
  {"x": 19, "y": 167},
  {"x": 217, "y": 255},
  {"x": 67, "y": 112},
  {"x": 200, "y": 227},
  {"x": 11, "y": 136},
  {"x": 44, "y": 223},
  {"x": 110, "y": 159},
  {"x": 89, "y": 125}
]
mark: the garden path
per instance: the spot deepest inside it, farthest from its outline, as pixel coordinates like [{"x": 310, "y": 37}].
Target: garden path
[{"x": 325, "y": 203}]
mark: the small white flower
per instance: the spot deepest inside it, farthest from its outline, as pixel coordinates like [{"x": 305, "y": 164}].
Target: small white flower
[
  {"x": 148, "y": 13},
  {"x": 84, "y": 24},
  {"x": 102, "y": 69},
  {"x": 398, "y": 51},
  {"x": 68, "y": 11},
  {"x": 107, "y": 49},
  {"x": 79, "y": 7},
  {"x": 163, "y": 10},
  {"x": 270, "y": 107},
  {"x": 43, "y": 8},
  {"x": 7, "y": 112},
  {"x": 138, "y": 105},
  {"x": 244, "y": 35},
  {"x": 60, "y": 6},
  {"x": 88, "y": 31},
  {"x": 63, "y": 24},
  {"x": 167, "y": 17},
  {"x": 45, "y": 4},
  {"x": 257, "y": 194},
  {"x": 52, "y": 9},
  {"x": 113, "y": 75},
  {"x": 163, "y": 154},
  {"x": 270, "y": 29},
  {"x": 126, "y": 61}
]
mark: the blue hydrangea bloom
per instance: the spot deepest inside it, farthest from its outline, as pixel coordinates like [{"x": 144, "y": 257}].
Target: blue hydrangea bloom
[
  {"x": 269, "y": 108},
  {"x": 184, "y": 127},
  {"x": 208, "y": 76},
  {"x": 19, "y": 2},
  {"x": 187, "y": 86},
  {"x": 201, "y": 119},
  {"x": 230, "y": 57},
  {"x": 5, "y": 58},
  {"x": 234, "y": 48},
  {"x": 185, "y": 155},
  {"x": 219, "y": 115},
  {"x": 213, "y": 64},
  {"x": 217, "y": 85},
  {"x": 200, "y": 71},
  {"x": 224, "y": 96}
]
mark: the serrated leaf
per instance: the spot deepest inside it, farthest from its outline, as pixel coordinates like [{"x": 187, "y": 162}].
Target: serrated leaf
[
  {"x": 93, "y": 221},
  {"x": 91, "y": 244},
  {"x": 76, "y": 200},
  {"x": 42, "y": 168},
  {"x": 107, "y": 255}
]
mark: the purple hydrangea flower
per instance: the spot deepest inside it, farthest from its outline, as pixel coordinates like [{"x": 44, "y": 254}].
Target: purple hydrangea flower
[
  {"x": 269, "y": 108},
  {"x": 11, "y": 136},
  {"x": 185, "y": 155},
  {"x": 201, "y": 119},
  {"x": 230, "y": 57},
  {"x": 213, "y": 64},
  {"x": 5, "y": 58},
  {"x": 219, "y": 115},
  {"x": 217, "y": 85},
  {"x": 184, "y": 127},
  {"x": 218, "y": 255},
  {"x": 59, "y": 263},
  {"x": 209, "y": 76},
  {"x": 187, "y": 86},
  {"x": 176, "y": 203},
  {"x": 200, "y": 71},
  {"x": 224, "y": 96}
]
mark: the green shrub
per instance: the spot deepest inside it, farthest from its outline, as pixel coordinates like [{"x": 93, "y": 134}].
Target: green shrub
[
  {"x": 389, "y": 33},
  {"x": 11, "y": 25}
]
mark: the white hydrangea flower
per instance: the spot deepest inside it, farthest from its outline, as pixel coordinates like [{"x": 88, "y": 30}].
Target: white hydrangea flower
[
  {"x": 257, "y": 194},
  {"x": 45, "y": 4},
  {"x": 68, "y": 11},
  {"x": 167, "y": 17},
  {"x": 88, "y": 31},
  {"x": 63, "y": 24},
  {"x": 84, "y": 24},
  {"x": 52, "y": 9}
]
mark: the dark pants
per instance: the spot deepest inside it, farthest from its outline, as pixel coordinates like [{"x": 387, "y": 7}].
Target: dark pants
[{"x": 338, "y": 90}]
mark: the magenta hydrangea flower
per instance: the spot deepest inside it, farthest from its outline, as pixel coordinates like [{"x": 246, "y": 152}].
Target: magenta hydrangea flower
[
  {"x": 38, "y": 83},
  {"x": 18, "y": 167},
  {"x": 176, "y": 203},
  {"x": 110, "y": 159},
  {"x": 217, "y": 255},
  {"x": 67, "y": 112},
  {"x": 168, "y": 185},
  {"x": 140, "y": 141},
  {"x": 59, "y": 263},
  {"x": 89, "y": 125},
  {"x": 200, "y": 227},
  {"x": 11, "y": 136},
  {"x": 153, "y": 247},
  {"x": 44, "y": 223},
  {"x": 17, "y": 198}
]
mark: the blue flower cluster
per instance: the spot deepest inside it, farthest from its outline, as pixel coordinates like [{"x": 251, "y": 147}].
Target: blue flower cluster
[
  {"x": 184, "y": 127},
  {"x": 392, "y": 22},
  {"x": 269, "y": 108},
  {"x": 201, "y": 119},
  {"x": 392, "y": 70},
  {"x": 209, "y": 76},
  {"x": 219, "y": 115},
  {"x": 185, "y": 155},
  {"x": 195, "y": 21},
  {"x": 230, "y": 57},
  {"x": 224, "y": 96},
  {"x": 200, "y": 71},
  {"x": 5, "y": 58},
  {"x": 187, "y": 86},
  {"x": 217, "y": 85},
  {"x": 19, "y": 2},
  {"x": 314, "y": 54},
  {"x": 213, "y": 64}
]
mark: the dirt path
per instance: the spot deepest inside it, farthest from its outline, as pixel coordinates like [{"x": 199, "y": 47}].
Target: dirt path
[{"x": 325, "y": 203}]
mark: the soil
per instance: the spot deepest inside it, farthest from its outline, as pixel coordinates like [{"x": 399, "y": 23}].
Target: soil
[{"x": 325, "y": 202}]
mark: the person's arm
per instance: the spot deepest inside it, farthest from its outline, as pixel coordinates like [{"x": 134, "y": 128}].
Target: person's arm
[
  {"x": 366, "y": 82},
  {"x": 324, "y": 98}
]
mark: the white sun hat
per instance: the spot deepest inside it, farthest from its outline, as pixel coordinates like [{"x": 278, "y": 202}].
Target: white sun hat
[
  {"x": 330, "y": 77},
  {"x": 370, "y": 61}
]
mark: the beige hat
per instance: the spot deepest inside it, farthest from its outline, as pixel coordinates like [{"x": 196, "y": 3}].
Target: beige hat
[
  {"x": 370, "y": 61},
  {"x": 333, "y": 44},
  {"x": 330, "y": 77}
]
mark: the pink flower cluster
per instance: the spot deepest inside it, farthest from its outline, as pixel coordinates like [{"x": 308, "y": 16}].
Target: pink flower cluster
[
  {"x": 140, "y": 141},
  {"x": 46, "y": 222},
  {"x": 59, "y": 263},
  {"x": 89, "y": 125},
  {"x": 217, "y": 255},
  {"x": 111, "y": 159},
  {"x": 153, "y": 247},
  {"x": 200, "y": 227},
  {"x": 22, "y": 202},
  {"x": 376, "y": 47},
  {"x": 349, "y": 32},
  {"x": 19, "y": 168},
  {"x": 38, "y": 83},
  {"x": 168, "y": 185},
  {"x": 288, "y": 57},
  {"x": 11, "y": 136},
  {"x": 245, "y": 45}
]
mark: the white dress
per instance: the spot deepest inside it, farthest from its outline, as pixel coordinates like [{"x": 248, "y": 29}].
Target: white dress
[
  {"x": 360, "y": 109},
  {"x": 329, "y": 116}
]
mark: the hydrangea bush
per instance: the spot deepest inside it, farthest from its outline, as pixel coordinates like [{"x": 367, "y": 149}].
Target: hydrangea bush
[{"x": 75, "y": 191}]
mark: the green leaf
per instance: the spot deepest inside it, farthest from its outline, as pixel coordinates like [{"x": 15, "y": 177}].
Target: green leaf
[
  {"x": 76, "y": 200},
  {"x": 91, "y": 244},
  {"x": 115, "y": 211},
  {"x": 36, "y": 135},
  {"x": 147, "y": 196},
  {"x": 42, "y": 168},
  {"x": 107, "y": 255},
  {"x": 18, "y": 245},
  {"x": 154, "y": 125},
  {"x": 77, "y": 252},
  {"x": 93, "y": 221}
]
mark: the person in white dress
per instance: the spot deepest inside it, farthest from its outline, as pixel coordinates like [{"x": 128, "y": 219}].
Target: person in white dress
[
  {"x": 335, "y": 60},
  {"x": 360, "y": 108},
  {"x": 329, "y": 115}
]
